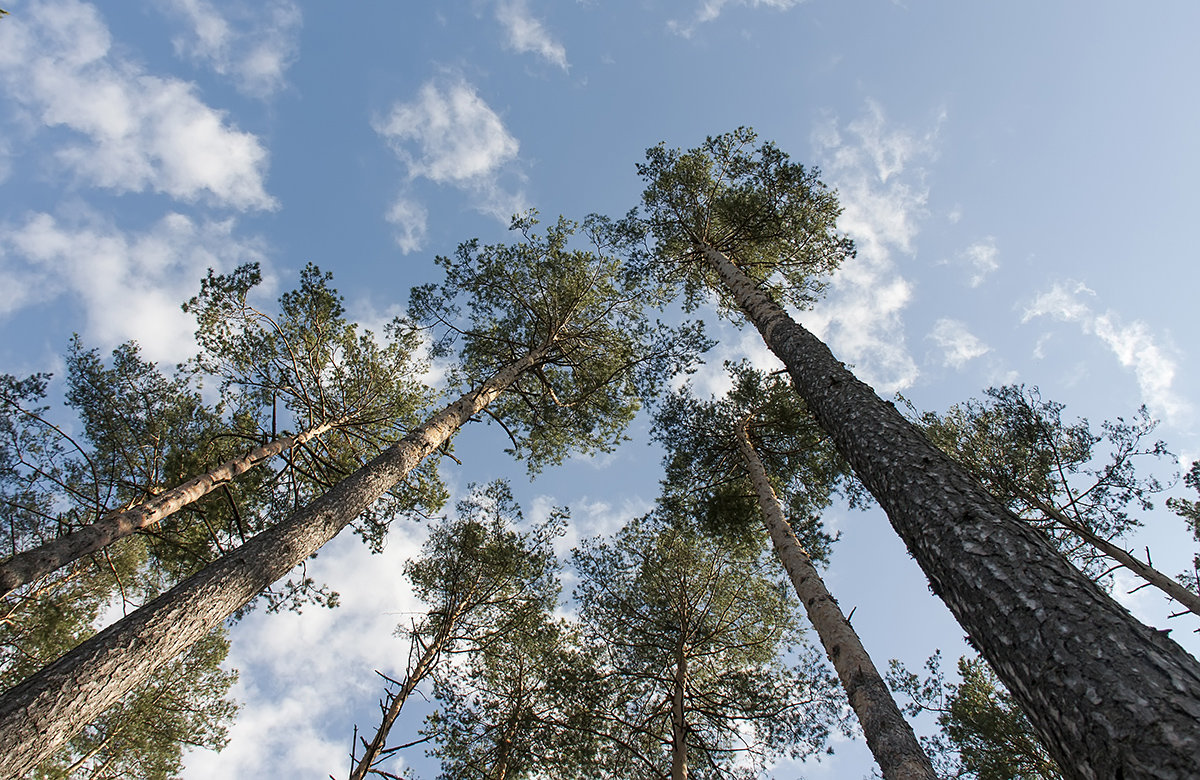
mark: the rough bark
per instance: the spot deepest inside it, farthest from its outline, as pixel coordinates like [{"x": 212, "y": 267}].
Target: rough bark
[
  {"x": 1109, "y": 696},
  {"x": 41, "y": 713},
  {"x": 890, "y": 738},
  {"x": 30, "y": 565}
]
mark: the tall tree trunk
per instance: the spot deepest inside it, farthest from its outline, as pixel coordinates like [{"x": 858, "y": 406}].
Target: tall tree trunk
[
  {"x": 890, "y": 738},
  {"x": 41, "y": 713},
  {"x": 40, "y": 561},
  {"x": 679, "y": 765},
  {"x": 1109, "y": 696}
]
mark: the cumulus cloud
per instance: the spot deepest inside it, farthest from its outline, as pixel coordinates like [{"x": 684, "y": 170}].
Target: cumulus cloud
[
  {"x": 958, "y": 344},
  {"x": 527, "y": 35},
  {"x": 875, "y": 168},
  {"x": 131, "y": 131},
  {"x": 709, "y": 10},
  {"x": 1133, "y": 344},
  {"x": 253, "y": 44},
  {"x": 410, "y": 219},
  {"x": 449, "y": 135},
  {"x": 301, "y": 716},
  {"x": 981, "y": 258},
  {"x": 128, "y": 285}
]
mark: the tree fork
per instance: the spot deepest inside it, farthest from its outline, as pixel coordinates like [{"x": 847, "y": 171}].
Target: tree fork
[
  {"x": 38, "y": 715},
  {"x": 890, "y": 738},
  {"x": 1109, "y": 696}
]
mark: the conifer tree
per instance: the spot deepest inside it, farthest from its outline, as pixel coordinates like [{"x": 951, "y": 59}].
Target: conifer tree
[
  {"x": 694, "y": 679},
  {"x": 1076, "y": 486},
  {"x": 716, "y": 460},
  {"x": 483, "y": 581},
  {"x": 743, "y": 221},
  {"x": 557, "y": 330}
]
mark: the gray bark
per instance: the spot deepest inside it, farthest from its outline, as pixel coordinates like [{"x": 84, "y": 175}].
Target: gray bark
[
  {"x": 890, "y": 738},
  {"x": 1109, "y": 696},
  {"x": 30, "y": 565},
  {"x": 41, "y": 713}
]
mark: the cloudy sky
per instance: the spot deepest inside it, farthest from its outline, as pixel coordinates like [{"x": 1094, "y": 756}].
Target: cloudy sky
[{"x": 1019, "y": 178}]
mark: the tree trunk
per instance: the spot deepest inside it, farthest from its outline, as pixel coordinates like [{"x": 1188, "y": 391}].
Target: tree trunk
[
  {"x": 890, "y": 738},
  {"x": 374, "y": 748},
  {"x": 42, "y": 712},
  {"x": 679, "y": 765},
  {"x": 1109, "y": 696},
  {"x": 40, "y": 561}
]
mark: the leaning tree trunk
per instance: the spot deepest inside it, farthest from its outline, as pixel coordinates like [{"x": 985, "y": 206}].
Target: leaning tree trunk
[
  {"x": 890, "y": 738},
  {"x": 376, "y": 750},
  {"x": 1168, "y": 585},
  {"x": 1109, "y": 696},
  {"x": 41, "y": 713},
  {"x": 30, "y": 565}
]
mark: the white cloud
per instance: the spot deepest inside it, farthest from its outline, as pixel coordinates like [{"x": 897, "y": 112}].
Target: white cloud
[
  {"x": 450, "y": 135},
  {"x": 526, "y": 34},
  {"x": 129, "y": 285},
  {"x": 872, "y": 166},
  {"x": 254, "y": 44},
  {"x": 410, "y": 219},
  {"x": 133, "y": 131},
  {"x": 981, "y": 256},
  {"x": 1134, "y": 346},
  {"x": 709, "y": 10},
  {"x": 958, "y": 344},
  {"x": 299, "y": 716}
]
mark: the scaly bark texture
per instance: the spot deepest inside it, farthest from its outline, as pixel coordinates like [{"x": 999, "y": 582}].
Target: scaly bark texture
[
  {"x": 40, "y": 561},
  {"x": 41, "y": 713},
  {"x": 890, "y": 738},
  {"x": 1109, "y": 696}
]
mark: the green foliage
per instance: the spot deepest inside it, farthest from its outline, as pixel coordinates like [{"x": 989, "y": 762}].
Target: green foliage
[
  {"x": 1190, "y": 512},
  {"x": 1023, "y": 451},
  {"x": 983, "y": 734},
  {"x": 773, "y": 218},
  {"x": 489, "y": 587},
  {"x": 705, "y": 472},
  {"x": 141, "y": 431},
  {"x": 518, "y": 707},
  {"x": 308, "y": 362},
  {"x": 664, "y": 601},
  {"x": 599, "y": 354}
]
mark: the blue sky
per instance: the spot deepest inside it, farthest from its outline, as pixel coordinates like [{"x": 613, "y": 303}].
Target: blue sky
[{"x": 1019, "y": 178}]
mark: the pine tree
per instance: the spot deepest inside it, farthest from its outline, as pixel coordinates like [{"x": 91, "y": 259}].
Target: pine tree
[
  {"x": 982, "y": 732},
  {"x": 483, "y": 582},
  {"x": 745, "y": 222},
  {"x": 694, "y": 680},
  {"x": 716, "y": 460},
  {"x": 554, "y": 328},
  {"x": 1073, "y": 484}
]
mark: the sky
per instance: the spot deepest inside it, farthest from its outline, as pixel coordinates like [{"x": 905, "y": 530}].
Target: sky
[{"x": 1019, "y": 179}]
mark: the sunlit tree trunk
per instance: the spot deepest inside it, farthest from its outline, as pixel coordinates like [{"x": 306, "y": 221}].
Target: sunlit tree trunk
[
  {"x": 40, "y": 561},
  {"x": 41, "y": 713},
  {"x": 888, "y": 734},
  {"x": 1109, "y": 696}
]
